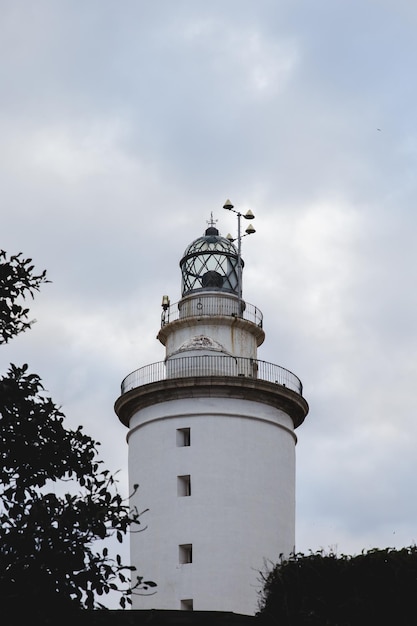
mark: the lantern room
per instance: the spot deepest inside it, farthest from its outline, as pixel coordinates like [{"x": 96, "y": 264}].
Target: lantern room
[{"x": 210, "y": 263}]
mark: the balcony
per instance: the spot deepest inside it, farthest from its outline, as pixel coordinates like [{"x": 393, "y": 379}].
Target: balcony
[
  {"x": 217, "y": 365},
  {"x": 212, "y": 305}
]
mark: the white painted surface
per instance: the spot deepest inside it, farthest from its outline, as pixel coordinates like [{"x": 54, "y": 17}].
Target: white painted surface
[
  {"x": 234, "y": 339},
  {"x": 242, "y": 505}
]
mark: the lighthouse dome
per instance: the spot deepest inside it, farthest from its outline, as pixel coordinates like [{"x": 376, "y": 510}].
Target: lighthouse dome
[{"x": 210, "y": 263}]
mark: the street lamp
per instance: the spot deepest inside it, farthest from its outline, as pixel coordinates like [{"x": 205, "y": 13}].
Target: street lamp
[{"x": 249, "y": 231}]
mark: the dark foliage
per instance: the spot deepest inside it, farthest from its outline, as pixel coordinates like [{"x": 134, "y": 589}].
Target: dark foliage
[
  {"x": 17, "y": 281},
  {"x": 374, "y": 587},
  {"x": 56, "y": 502}
]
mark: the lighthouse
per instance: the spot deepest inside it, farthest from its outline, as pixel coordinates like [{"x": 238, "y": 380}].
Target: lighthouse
[{"x": 211, "y": 436}]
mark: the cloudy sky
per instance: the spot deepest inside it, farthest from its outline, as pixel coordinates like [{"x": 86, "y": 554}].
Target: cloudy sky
[{"x": 124, "y": 124}]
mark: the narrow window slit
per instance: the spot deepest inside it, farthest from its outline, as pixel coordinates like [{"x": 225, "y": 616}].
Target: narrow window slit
[
  {"x": 183, "y": 437},
  {"x": 185, "y": 553},
  {"x": 184, "y": 485}
]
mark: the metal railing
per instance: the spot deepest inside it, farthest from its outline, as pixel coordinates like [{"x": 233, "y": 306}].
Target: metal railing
[
  {"x": 218, "y": 365},
  {"x": 202, "y": 306}
]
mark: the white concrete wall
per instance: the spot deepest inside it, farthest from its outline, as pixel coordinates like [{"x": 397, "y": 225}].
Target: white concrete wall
[
  {"x": 242, "y": 505},
  {"x": 208, "y": 303},
  {"x": 235, "y": 340}
]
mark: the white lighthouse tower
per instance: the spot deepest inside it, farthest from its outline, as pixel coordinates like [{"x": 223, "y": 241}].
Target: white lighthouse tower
[{"x": 211, "y": 442}]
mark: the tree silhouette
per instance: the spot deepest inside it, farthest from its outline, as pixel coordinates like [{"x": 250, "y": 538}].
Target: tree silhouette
[
  {"x": 375, "y": 587},
  {"x": 17, "y": 281},
  {"x": 56, "y": 501}
]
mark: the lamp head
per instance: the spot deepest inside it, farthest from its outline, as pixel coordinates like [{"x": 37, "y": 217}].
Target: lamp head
[{"x": 228, "y": 205}]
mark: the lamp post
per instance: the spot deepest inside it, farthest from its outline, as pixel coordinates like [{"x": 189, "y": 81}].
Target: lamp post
[{"x": 249, "y": 231}]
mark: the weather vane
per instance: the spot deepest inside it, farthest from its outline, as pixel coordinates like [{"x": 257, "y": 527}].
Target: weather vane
[{"x": 212, "y": 222}]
